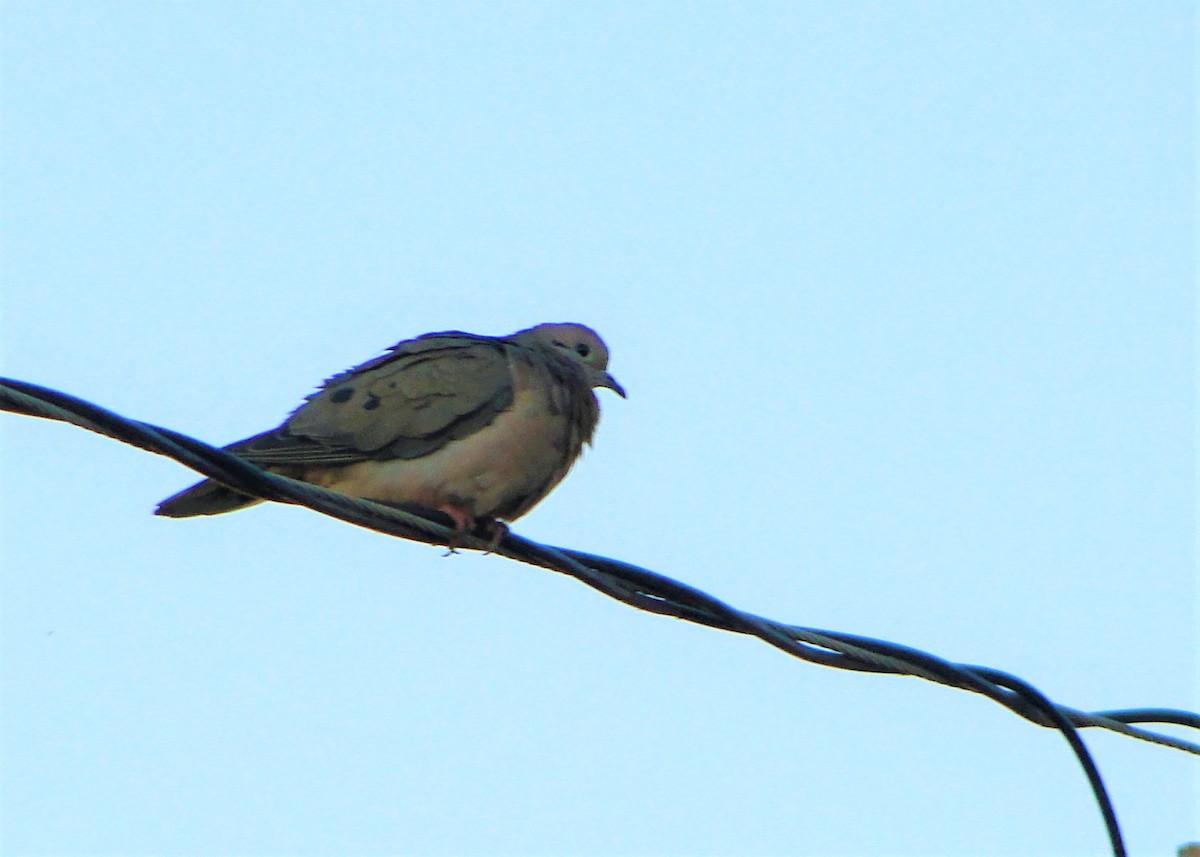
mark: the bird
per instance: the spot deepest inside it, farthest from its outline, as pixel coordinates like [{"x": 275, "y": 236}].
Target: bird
[{"x": 480, "y": 428}]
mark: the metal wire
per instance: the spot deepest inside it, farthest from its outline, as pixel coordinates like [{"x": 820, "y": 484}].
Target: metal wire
[{"x": 637, "y": 587}]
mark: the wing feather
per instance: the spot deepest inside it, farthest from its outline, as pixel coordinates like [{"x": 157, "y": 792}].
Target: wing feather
[{"x": 407, "y": 403}]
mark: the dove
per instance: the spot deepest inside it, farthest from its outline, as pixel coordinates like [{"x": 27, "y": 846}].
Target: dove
[{"x": 481, "y": 428}]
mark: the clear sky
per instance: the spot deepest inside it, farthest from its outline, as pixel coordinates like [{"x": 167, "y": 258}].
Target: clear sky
[{"x": 904, "y": 298}]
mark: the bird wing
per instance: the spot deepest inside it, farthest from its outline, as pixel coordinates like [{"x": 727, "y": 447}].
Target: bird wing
[{"x": 413, "y": 400}]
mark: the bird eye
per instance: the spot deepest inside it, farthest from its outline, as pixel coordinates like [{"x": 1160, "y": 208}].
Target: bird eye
[{"x": 582, "y": 349}]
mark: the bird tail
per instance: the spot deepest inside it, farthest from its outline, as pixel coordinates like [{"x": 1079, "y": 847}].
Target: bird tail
[{"x": 204, "y": 498}]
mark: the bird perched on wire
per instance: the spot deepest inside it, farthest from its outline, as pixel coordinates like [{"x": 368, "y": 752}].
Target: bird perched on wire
[{"x": 478, "y": 427}]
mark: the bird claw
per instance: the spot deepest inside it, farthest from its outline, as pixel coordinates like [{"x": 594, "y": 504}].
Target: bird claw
[
  {"x": 465, "y": 525},
  {"x": 497, "y": 532}
]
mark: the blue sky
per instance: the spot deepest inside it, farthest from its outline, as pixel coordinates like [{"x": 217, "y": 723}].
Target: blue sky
[{"x": 904, "y": 298}]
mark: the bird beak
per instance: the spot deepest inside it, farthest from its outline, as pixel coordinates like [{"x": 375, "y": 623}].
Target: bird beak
[{"x": 603, "y": 379}]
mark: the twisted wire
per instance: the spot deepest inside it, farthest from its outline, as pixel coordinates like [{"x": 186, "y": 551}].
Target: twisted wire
[{"x": 630, "y": 584}]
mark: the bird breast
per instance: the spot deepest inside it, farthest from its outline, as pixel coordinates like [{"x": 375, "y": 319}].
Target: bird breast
[{"x": 501, "y": 471}]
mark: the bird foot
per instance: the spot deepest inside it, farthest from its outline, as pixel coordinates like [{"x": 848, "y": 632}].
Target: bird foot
[
  {"x": 465, "y": 525},
  {"x": 497, "y": 532}
]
